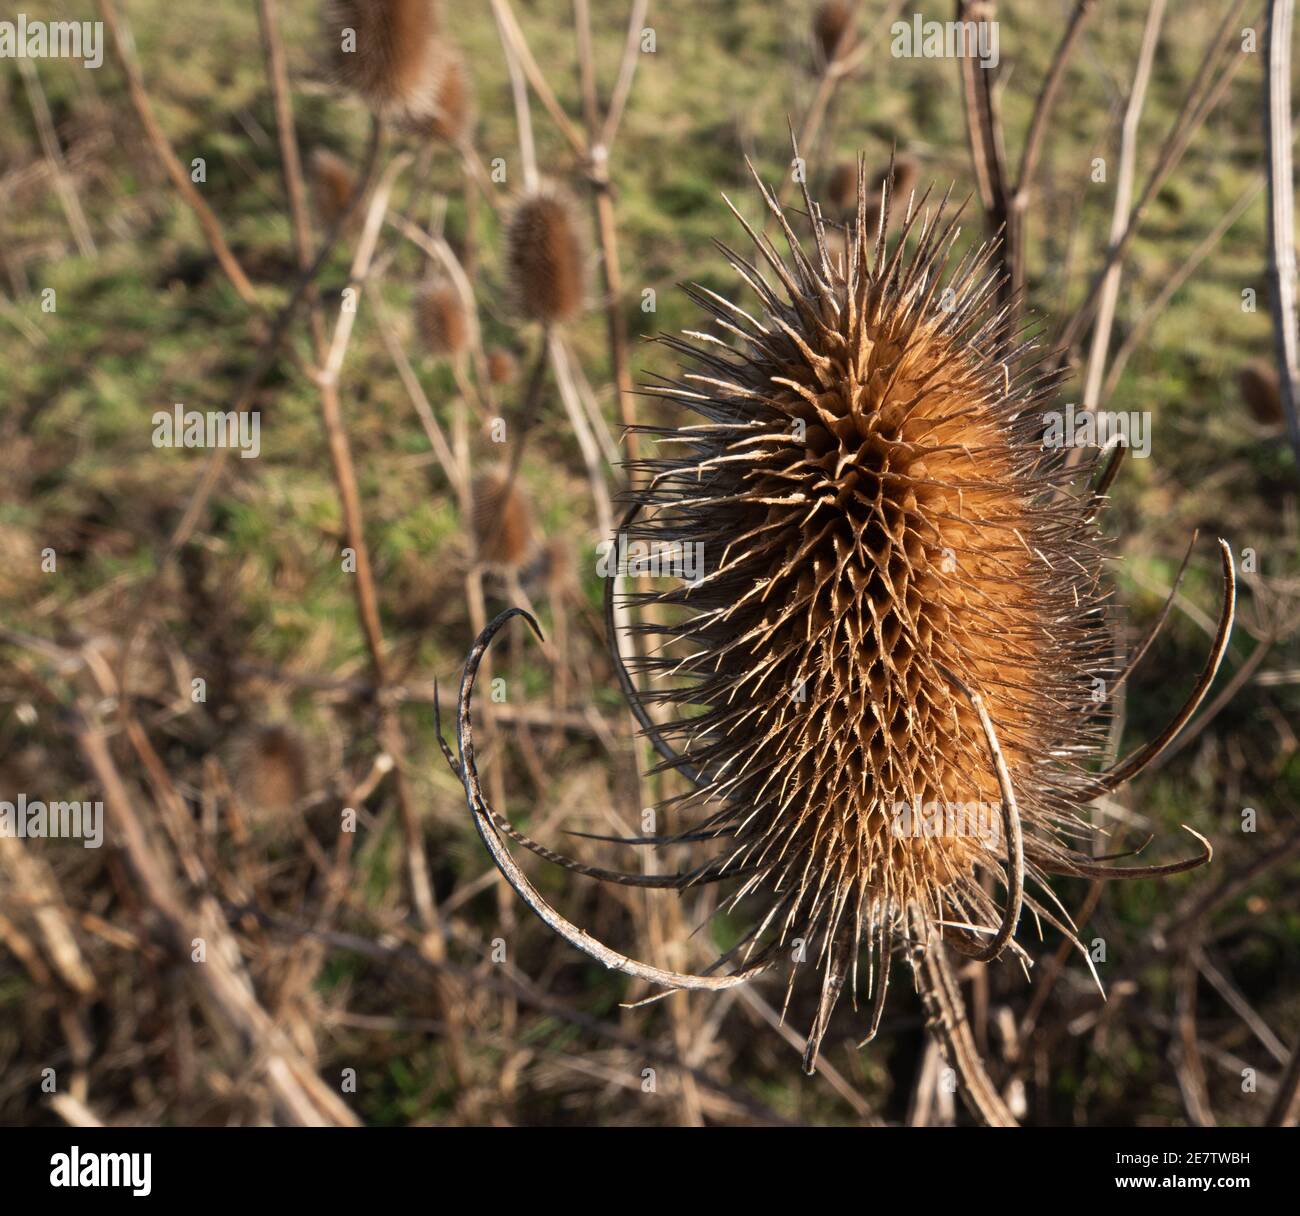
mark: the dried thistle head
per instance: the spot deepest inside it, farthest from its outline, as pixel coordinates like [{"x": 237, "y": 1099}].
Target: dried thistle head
[
  {"x": 545, "y": 257},
  {"x": 332, "y": 184},
  {"x": 502, "y": 519},
  {"x": 1261, "y": 392},
  {"x": 440, "y": 319},
  {"x": 881, "y": 675},
  {"x": 390, "y": 53}
]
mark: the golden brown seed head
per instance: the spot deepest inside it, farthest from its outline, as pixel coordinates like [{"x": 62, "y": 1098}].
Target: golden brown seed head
[
  {"x": 440, "y": 319},
  {"x": 1259, "y": 389},
  {"x": 871, "y": 507},
  {"x": 389, "y": 53},
  {"x": 502, "y": 520},
  {"x": 545, "y": 258}
]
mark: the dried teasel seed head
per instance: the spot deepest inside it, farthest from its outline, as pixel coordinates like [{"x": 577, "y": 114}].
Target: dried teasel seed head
[
  {"x": 390, "y": 53},
  {"x": 878, "y": 529},
  {"x": 831, "y": 24},
  {"x": 545, "y": 257},
  {"x": 440, "y": 319},
  {"x": 1259, "y": 387},
  {"x": 272, "y": 769},
  {"x": 842, "y": 187},
  {"x": 502, "y": 519},
  {"x": 502, "y": 367},
  {"x": 901, "y": 176},
  {"x": 332, "y": 184},
  {"x": 453, "y": 110}
]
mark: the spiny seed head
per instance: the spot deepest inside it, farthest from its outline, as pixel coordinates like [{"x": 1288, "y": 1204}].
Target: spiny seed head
[
  {"x": 332, "y": 184},
  {"x": 545, "y": 257},
  {"x": 454, "y": 103},
  {"x": 389, "y": 53},
  {"x": 501, "y": 366},
  {"x": 1259, "y": 389},
  {"x": 440, "y": 319},
  {"x": 272, "y": 769},
  {"x": 502, "y": 519},
  {"x": 901, "y": 175},
  {"x": 874, "y": 513},
  {"x": 831, "y": 23}
]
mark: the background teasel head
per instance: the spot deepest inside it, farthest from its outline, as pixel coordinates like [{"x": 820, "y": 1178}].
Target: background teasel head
[
  {"x": 332, "y": 183},
  {"x": 882, "y": 688},
  {"x": 440, "y": 320},
  {"x": 502, "y": 519},
  {"x": 546, "y": 257},
  {"x": 272, "y": 769},
  {"x": 453, "y": 105},
  {"x": 390, "y": 53}
]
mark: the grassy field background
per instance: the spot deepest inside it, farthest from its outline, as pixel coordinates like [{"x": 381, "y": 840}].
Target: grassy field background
[{"x": 261, "y": 608}]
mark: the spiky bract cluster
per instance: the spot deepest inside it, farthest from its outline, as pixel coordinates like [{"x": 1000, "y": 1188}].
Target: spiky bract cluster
[{"x": 876, "y": 515}]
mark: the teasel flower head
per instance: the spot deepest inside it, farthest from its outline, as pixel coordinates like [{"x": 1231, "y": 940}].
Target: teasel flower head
[
  {"x": 440, "y": 319},
  {"x": 546, "y": 257},
  {"x": 881, "y": 678},
  {"x": 390, "y": 53}
]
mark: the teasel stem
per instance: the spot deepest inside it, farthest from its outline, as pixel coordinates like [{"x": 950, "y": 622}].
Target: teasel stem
[{"x": 946, "y": 1019}]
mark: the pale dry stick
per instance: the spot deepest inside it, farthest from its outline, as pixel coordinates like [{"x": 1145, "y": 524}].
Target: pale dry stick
[
  {"x": 437, "y": 249},
  {"x": 519, "y": 57},
  {"x": 290, "y": 155},
  {"x": 825, "y": 1069},
  {"x": 302, "y": 1096},
  {"x": 420, "y": 402},
  {"x": 1138, "y": 331},
  {"x": 1202, "y": 97},
  {"x": 1285, "y": 1110},
  {"x": 1018, "y": 213},
  {"x": 600, "y": 139},
  {"x": 846, "y": 58},
  {"x": 1189, "y": 1068},
  {"x": 591, "y": 455},
  {"x": 180, "y": 178},
  {"x": 1105, "y": 318},
  {"x": 391, "y": 738},
  {"x": 63, "y": 186},
  {"x": 523, "y": 115},
  {"x": 1237, "y": 1002},
  {"x": 73, "y": 1112},
  {"x": 946, "y": 1018},
  {"x": 1281, "y": 212}
]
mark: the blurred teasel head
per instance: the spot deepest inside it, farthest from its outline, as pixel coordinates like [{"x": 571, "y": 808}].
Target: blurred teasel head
[
  {"x": 546, "y": 257},
  {"x": 390, "y": 53},
  {"x": 881, "y": 680},
  {"x": 440, "y": 319}
]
